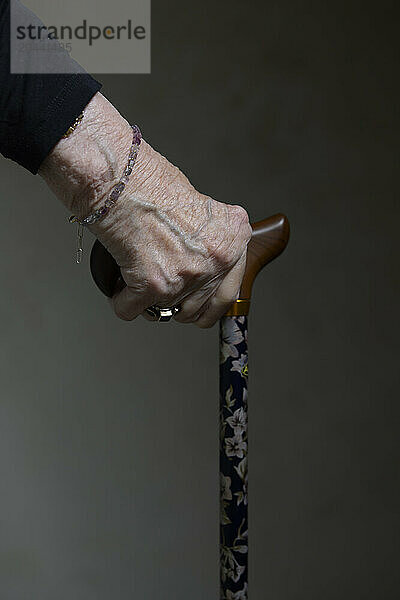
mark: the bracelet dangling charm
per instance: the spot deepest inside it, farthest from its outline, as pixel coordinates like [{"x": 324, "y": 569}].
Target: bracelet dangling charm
[{"x": 112, "y": 198}]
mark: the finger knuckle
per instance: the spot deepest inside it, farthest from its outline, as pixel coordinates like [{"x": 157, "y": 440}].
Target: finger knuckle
[
  {"x": 223, "y": 254},
  {"x": 241, "y": 222},
  {"x": 190, "y": 274},
  {"x": 158, "y": 287}
]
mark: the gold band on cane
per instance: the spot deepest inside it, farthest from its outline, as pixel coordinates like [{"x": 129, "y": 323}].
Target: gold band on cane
[{"x": 239, "y": 308}]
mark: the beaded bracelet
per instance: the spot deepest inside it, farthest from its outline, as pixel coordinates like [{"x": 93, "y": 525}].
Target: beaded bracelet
[{"x": 113, "y": 197}]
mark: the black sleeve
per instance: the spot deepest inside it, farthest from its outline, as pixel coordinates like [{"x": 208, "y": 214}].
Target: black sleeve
[{"x": 36, "y": 109}]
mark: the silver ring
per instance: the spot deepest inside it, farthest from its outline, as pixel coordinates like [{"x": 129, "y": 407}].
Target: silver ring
[{"x": 162, "y": 314}]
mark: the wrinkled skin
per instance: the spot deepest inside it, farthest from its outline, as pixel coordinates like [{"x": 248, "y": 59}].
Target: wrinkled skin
[{"x": 173, "y": 244}]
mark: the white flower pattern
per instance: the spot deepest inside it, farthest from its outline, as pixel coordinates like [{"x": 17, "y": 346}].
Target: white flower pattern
[
  {"x": 235, "y": 446},
  {"x": 231, "y": 337},
  {"x": 238, "y": 421},
  {"x": 240, "y": 365},
  {"x": 233, "y": 436}
]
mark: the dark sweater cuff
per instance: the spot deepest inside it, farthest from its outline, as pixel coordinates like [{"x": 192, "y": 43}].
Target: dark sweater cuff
[{"x": 42, "y": 135}]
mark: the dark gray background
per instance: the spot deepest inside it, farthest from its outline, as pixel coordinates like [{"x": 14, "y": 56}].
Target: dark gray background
[{"x": 108, "y": 439}]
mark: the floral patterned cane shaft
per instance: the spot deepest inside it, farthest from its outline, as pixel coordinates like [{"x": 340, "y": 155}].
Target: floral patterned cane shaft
[{"x": 233, "y": 458}]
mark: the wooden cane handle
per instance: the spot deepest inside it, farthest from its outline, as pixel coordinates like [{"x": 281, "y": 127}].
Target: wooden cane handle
[
  {"x": 269, "y": 239},
  {"x": 105, "y": 271}
]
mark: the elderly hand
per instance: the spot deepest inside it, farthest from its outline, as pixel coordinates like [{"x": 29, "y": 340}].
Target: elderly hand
[{"x": 173, "y": 244}]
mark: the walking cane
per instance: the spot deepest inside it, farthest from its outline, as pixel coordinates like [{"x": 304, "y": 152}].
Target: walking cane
[{"x": 269, "y": 239}]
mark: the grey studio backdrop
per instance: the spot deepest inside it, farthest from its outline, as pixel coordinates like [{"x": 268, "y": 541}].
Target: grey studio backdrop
[{"x": 108, "y": 429}]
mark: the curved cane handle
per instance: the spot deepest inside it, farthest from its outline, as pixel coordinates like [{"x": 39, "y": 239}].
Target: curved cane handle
[{"x": 269, "y": 239}]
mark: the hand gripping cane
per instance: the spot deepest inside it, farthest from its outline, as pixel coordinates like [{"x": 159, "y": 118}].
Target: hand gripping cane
[{"x": 269, "y": 239}]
